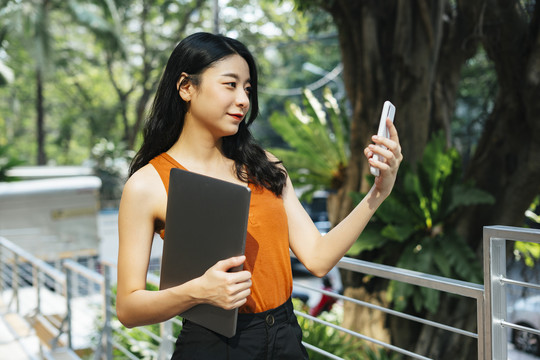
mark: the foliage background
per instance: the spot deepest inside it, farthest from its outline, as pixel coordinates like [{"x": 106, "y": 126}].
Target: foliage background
[
  {"x": 79, "y": 75},
  {"x": 103, "y": 65}
]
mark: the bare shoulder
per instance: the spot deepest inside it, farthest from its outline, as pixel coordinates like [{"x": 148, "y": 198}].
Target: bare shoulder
[
  {"x": 144, "y": 181},
  {"x": 272, "y": 158},
  {"x": 144, "y": 189},
  {"x": 288, "y": 189}
]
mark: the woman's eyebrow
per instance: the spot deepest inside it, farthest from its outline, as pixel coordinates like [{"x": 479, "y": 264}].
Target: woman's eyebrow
[{"x": 235, "y": 76}]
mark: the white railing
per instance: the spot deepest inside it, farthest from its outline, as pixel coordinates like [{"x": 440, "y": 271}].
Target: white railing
[
  {"x": 496, "y": 281},
  {"x": 491, "y": 317},
  {"x": 442, "y": 284}
]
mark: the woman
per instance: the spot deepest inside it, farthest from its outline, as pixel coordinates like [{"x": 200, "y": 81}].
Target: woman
[{"x": 206, "y": 100}]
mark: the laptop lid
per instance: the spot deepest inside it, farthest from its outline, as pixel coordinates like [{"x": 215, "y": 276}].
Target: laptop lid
[{"x": 206, "y": 221}]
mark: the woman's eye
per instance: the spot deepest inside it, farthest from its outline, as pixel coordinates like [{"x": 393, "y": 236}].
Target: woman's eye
[
  {"x": 248, "y": 90},
  {"x": 232, "y": 84}
]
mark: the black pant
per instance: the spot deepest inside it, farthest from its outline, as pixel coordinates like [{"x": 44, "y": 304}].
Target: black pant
[{"x": 269, "y": 335}]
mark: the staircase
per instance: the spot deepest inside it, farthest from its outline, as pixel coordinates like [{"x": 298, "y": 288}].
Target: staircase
[{"x": 17, "y": 338}]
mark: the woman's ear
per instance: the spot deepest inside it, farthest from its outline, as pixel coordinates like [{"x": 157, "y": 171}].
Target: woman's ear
[{"x": 184, "y": 87}]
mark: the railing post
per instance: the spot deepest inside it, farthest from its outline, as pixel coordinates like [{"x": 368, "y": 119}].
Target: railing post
[
  {"x": 58, "y": 265},
  {"x": 15, "y": 282},
  {"x": 69, "y": 295},
  {"x": 498, "y": 297},
  {"x": 89, "y": 285},
  {"x": 480, "y": 324},
  {"x": 36, "y": 280},
  {"x": 166, "y": 347},
  {"x": 488, "y": 335},
  {"x": 75, "y": 282},
  {"x": 107, "y": 329},
  {"x": 2, "y": 266}
]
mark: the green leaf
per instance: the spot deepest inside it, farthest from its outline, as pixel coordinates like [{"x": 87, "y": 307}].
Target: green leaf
[
  {"x": 369, "y": 239},
  {"x": 463, "y": 195},
  {"x": 529, "y": 251},
  {"x": 7, "y": 162},
  {"x": 393, "y": 211},
  {"x": 401, "y": 293},
  {"x": 318, "y": 147},
  {"x": 430, "y": 299},
  {"x": 398, "y": 232},
  {"x": 465, "y": 264},
  {"x": 356, "y": 197},
  {"x": 442, "y": 263},
  {"x": 340, "y": 125}
]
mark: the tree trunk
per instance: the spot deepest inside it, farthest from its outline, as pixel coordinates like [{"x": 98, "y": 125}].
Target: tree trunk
[
  {"x": 507, "y": 160},
  {"x": 411, "y": 53},
  {"x": 441, "y": 344},
  {"x": 390, "y": 51},
  {"x": 40, "y": 119}
]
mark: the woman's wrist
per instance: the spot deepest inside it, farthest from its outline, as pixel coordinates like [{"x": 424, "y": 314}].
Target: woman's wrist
[
  {"x": 375, "y": 197},
  {"x": 189, "y": 294}
]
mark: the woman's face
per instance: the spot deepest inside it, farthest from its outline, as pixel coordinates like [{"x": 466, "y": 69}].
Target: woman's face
[{"x": 221, "y": 100}]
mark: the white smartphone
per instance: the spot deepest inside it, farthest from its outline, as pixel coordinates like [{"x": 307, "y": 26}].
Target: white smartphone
[{"x": 389, "y": 110}]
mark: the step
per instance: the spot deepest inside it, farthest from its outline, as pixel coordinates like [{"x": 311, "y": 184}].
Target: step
[
  {"x": 48, "y": 331},
  {"x": 16, "y": 338},
  {"x": 15, "y": 351},
  {"x": 18, "y": 325},
  {"x": 61, "y": 354}
]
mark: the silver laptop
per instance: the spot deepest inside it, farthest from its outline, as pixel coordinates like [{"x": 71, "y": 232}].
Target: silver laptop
[{"x": 206, "y": 222}]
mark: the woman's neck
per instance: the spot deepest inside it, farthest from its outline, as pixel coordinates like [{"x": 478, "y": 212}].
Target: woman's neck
[
  {"x": 196, "y": 141},
  {"x": 203, "y": 156}
]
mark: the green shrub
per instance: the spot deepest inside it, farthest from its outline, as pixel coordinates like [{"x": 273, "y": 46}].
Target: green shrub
[
  {"x": 333, "y": 341},
  {"x": 135, "y": 340},
  {"x": 7, "y": 162}
]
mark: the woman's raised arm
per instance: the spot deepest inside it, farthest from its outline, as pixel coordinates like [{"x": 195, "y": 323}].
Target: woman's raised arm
[{"x": 320, "y": 254}]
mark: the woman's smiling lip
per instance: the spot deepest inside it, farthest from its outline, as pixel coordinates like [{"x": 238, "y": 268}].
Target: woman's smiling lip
[{"x": 237, "y": 116}]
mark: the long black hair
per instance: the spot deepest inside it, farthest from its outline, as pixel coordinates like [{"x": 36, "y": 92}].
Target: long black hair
[{"x": 165, "y": 122}]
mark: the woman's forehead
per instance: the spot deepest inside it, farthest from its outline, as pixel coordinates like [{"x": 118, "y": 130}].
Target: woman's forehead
[{"x": 232, "y": 66}]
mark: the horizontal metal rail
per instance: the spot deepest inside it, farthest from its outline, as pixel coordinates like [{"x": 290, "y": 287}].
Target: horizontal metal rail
[
  {"x": 513, "y": 233},
  {"x": 390, "y": 311},
  {"x": 124, "y": 351},
  {"x": 321, "y": 351},
  {"x": 452, "y": 286},
  {"x": 457, "y": 287},
  {"x": 505, "y": 280},
  {"x": 85, "y": 272},
  {"x": 360, "y": 336},
  {"x": 519, "y": 327},
  {"x": 45, "y": 268}
]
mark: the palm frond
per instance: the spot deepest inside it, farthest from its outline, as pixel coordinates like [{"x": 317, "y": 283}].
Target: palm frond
[{"x": 317, "y": 135}]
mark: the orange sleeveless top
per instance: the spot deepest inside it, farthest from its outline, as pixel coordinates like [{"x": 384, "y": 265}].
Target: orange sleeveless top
[{"x": 267, "y": 243}]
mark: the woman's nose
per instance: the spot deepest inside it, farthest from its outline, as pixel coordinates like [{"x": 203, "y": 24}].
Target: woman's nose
[{"x": 242, "y": 99}]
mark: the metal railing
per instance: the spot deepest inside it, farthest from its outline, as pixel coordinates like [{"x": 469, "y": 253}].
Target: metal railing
[
  {"x": 496, "y": 281},
  {"x": 39, "y": 291},
  {"x": 491, "y": 317},
  {"x": 442, "y": 284},
  {"x": 52, "y": 300}
]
